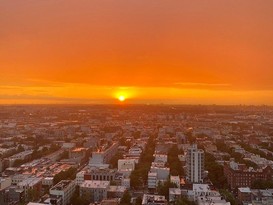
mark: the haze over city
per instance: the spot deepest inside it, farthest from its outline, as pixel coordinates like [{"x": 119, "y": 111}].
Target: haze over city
[
  {"x": 172, "y": 52},
  {"x": 136, "y": 102}
]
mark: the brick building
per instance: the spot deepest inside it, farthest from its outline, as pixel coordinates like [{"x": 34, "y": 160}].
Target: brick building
[{"x": 238, "y": 175}]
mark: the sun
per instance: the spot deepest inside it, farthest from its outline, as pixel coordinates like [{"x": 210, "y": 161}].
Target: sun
[{"x": 121, "y": 98}]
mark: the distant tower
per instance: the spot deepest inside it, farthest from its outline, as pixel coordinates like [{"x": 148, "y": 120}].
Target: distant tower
[{"x": 195, "y": 165}]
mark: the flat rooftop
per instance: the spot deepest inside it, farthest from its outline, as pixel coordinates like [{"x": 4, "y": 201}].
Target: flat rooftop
[
  {"x": 95, "y": 184},
  {"x": 61, "y": 185}
]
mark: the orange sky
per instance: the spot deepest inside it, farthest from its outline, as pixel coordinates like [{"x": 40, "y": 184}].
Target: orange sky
[{"x": 151, "y": 51}]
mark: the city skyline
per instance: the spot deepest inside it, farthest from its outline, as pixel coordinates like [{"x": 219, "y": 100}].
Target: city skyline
[{"x": 147, "y": 52}]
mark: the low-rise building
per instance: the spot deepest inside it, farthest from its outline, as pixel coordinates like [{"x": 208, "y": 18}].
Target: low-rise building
[
  {"x": 149, "y": 199},
  {"x": 162, "y": 172},
  {"x": 5, "y": 183},
  {"x": 32, "y": 187},
  {"x": 238, "y": 175},
  {"x": 244, "y": 195},
  {"x": 94, "y": 191},
  {"x": 174, "y": 194},
  {"x": 126, "y": 164},
  {"x": 115, "y": 191},
  {"x": 61, "y": 193},
  {"x": 161, "y": 158},
  {"x": 175, "y": 180},
  {"x": 94, "y": 173},
  {"x": 101, "y": 157}
]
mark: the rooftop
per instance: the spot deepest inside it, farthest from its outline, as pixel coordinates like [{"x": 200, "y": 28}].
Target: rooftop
[
  {"x": 95, "y": 184},
  {"x": 61, "y": 185},
  {"x": 245, "y": 190}
]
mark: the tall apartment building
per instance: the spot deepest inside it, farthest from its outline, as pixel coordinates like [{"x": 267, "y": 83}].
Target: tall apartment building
[{"x": 194, "y": 165}]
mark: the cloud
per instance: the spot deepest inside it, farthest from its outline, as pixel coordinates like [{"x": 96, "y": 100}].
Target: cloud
[{"x": 203, "y": 85}]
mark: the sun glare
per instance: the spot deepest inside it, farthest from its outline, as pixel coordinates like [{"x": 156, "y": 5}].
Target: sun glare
[{"x": 121, "y": 98}]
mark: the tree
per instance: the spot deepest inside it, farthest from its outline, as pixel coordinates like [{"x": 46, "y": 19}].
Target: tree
[
  {"x": 33, "y": 195},
  {"x": 114, "y": 161},
  {"x": 18, "y": 162},
  {"x": 216, "y": 172},
  {"x": 77, "y": 199},
  {"x": 20, "y": 148},
  {"x": 228, "y": 196},
  {"x": 136, "y": 134},
  {"x": 190, "y": 137},
  {"x": 184, "y": 201},
  {"x": 126, "y": 199},
  {"x": 64, "y": 155},
  {"x": 262, "y": 184},
  {"x": 69, "y": 174},
  {"x": 140, "y": 174},
  {"x": 174, "y": 162},
  {"x": 163, "y": 188},
  {"x": 138, "y": 201}
]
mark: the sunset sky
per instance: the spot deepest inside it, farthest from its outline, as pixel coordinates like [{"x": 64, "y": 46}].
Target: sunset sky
[{"x": 149, "y": 51}]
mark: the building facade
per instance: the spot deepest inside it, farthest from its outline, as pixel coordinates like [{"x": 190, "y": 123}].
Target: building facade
[
  {"x": 94, "y": 191},
  {"x": 194, "y": 165},
  {"x": 239, "y": 176},
  {"x": 62, "y": 192}
]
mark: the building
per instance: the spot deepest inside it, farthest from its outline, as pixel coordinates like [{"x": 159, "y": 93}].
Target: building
[
  {"x": 110, "y": 202},
  {"x": 134, "y": 151},
  {"x": 152, "y": 180},
  {"x": 126, "y": 166},
  {"x": 162, "y": 172},
  {"x": 194, "y": 165},
  {"x": 238, "y": 175},
  {"x": 16, "y": 195},
  {"x": 244, "y": 195},
  {"x": 174, "y": 194},
  {"x": 149, "y": 199},
  {"x": 126, "y": 182},
  {"x": 94, "y": 191},
  {"x": 209, "y": 200},
  {"x": 101, "y": 157},
  {"x": 115, "y": 192},
  {"x": 99, "y": 174},
  {"x": 77, "y": 154},
  {"x": 47, "y": 181},
  {"x": 54, "y": 157},
  {"x": 18, "y": 178},
  {"x": 32, "y": 187},
  {"x": 5, "y": 183},
  {"x": 256, "y": 196},
  {"x": 20, "y": 156},
  {"x": 202, "y": 194},
  {"x": 161, "y": 158},
  {"x": 62, "y": 192},
  {"x": 175, "y": 180},
  {"x": 80, "y": 177}
]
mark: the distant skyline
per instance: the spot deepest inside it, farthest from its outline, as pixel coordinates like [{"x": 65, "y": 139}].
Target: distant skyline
[{"x": 155, "y": 51}]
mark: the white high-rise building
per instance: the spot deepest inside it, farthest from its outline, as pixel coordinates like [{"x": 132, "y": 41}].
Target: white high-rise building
[{"x": 195, "y": 164}]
